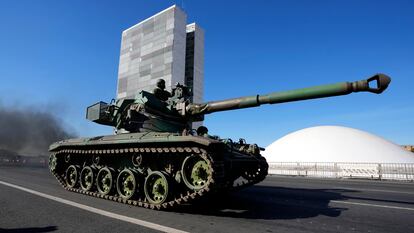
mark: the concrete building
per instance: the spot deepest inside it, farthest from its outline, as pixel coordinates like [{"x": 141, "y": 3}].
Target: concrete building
[
  {"x": 194, "y": 61},
  {"x": 339, "y": 152},
  {"x": 162, "y": 46},
  {"x": 336, "y": 144}
]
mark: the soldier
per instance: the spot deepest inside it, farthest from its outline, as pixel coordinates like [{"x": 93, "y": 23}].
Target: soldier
[
  {"x": 159, "y": 91},
  {"x": 202, "y": 131}
]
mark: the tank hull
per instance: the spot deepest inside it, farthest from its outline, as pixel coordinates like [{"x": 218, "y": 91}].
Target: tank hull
[{"x": 153, "y": 170}]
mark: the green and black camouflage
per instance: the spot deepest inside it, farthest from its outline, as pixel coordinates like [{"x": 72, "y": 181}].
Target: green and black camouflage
[{"x": 156, "y": 160}]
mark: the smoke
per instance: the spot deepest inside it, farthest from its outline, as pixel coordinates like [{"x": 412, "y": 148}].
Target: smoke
[{"x": 29, "y": 132}]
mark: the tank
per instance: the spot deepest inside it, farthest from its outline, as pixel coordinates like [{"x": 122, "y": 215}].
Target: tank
[{"x": 156, "y": 160}]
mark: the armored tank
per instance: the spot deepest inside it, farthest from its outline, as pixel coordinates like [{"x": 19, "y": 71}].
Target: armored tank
[{"x": 155, "y": 160}]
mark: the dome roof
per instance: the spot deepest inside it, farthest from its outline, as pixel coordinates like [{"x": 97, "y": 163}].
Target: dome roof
[{"x": 335, "y": 144}]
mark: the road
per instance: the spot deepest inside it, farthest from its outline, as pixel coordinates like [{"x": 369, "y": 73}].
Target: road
[{"x": 31, "y": 200}]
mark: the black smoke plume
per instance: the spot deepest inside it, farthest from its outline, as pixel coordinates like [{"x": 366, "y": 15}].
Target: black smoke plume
[{"x": 29, "y": 132}]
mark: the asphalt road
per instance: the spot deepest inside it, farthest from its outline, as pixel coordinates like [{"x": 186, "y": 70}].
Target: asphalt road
[{"x": 279, "y": 204}]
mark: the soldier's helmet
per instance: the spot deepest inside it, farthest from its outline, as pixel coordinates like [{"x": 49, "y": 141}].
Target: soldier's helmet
[{"x": 161, "y": 83}]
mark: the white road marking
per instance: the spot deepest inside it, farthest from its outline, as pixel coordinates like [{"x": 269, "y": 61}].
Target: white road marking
[
  {"x": 98, "y": 211},
  {"x": 375, "y": 190},
  {"x": 373, "y": 205}
]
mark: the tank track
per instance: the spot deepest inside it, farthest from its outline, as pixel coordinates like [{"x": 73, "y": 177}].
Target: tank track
[{"x": 216, "y": 181}]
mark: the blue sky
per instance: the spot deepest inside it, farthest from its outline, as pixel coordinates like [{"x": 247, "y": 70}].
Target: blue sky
[{"x": 63, "y": 56}]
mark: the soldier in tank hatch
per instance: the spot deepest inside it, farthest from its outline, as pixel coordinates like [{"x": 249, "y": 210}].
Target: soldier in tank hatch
[
  {"x": 160, "y": 91},
  {"x": 202, "y": 131}
]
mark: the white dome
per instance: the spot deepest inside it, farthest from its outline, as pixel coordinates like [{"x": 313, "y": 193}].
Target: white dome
[{"x": 335, "y": 144}]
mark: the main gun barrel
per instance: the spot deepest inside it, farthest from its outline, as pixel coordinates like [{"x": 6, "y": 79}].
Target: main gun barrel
[{"x": 376, "y": 84}]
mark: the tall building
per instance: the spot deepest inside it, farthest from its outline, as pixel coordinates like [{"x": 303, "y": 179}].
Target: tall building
[
  {"x": 162, "y": 46},
  {"x": 194, "y": 62}
]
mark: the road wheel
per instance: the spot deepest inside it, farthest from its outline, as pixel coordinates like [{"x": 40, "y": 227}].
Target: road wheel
[
  {"x": 196, "y": 172},
  {"x": 87, "y": 178},
  {"x": 157, "y": 187},
  {"x": 104, "y": 181},
  {"x": 72, "y": 176},
  {"x": 126, "y": 184}
]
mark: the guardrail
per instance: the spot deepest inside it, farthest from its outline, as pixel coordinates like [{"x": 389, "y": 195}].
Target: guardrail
[
  {"x": 379, "y": 171},
  {"x": 25, "y": 162}
]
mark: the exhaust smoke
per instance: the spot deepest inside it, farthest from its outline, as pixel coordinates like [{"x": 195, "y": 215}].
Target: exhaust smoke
[{"x": 27, "y": 131}]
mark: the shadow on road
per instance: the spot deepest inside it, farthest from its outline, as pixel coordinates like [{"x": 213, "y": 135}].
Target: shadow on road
[
  {"x": 263, "y": 202},
  {"x": 29, "y": 229}
]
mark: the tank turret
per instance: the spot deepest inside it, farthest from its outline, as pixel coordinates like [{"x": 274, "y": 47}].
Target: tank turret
[{"x": 148, "y": 112}]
